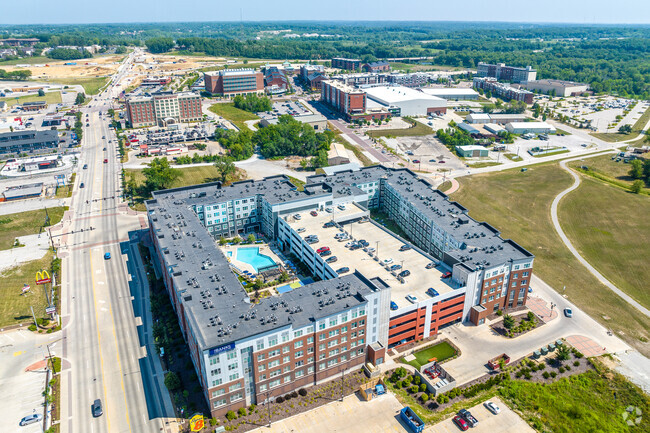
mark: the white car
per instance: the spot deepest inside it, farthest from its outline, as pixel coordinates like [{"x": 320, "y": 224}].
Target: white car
[
  {"x": 300, "y": 230},
  {"x": 297, "y": 216},
  {"x": 329, "y": 210},
  {"x": 370, "y": 249},
  {"x": 341, "y": 206},
  {"x": 411, "y": 298},
  {"x": 492, "y": 407},
  {"x": 387, "y": 261}
]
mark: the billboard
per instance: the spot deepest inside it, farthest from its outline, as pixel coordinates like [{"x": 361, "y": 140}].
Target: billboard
[
  {"x": 42, "y": 277},
  {"x": 197, "y": 422}
]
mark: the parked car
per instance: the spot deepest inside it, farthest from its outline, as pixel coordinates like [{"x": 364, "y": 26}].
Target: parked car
[
  {"x": 395, "y": 267},
  {"x": 404, "y": 273},
  {"x": 492, "y": 407},
  {"x": 328, "y": 224},
  {"x": 354, "y": 247},
  {"x": 442, "y": 161},
  {"x": 467, "y": 416},
  {"x": 331, "y": 259},
  {"x": 322, "y": 249},
  {"x": 393, "y": 305},
  {"x": 341, "y": 207},
  {"x": 97, "y": 408},
  {"x": 31, "y": 419},
  {"x": 85, "y": 166},
  {"x": 311, "y": 241},
  {"x": 461, "y": 423},
  {"x": 416, "y": 161},
  {"x": 430, "y": 265},
  {"x": 297, "y": 216},
  {"x": 313, "y": 213},
  {"x": 432, "y": 292},
  {"x": 370, "y": 249},
  {"x": 364, "y": 243},
  {"x": 343, "y": 270},
  {"x": 329, "y": 210},
  {"x": 300, "y": 230},
  {"x": 568, "y": 312},
  {"x": 387, "y": 261},
  {"x": 412, "y": 298},
  {"x": 325, "y": 253},
  {"x": 446, "y": 275},
  {"x": 105, "y": 160},
  {"x": 404, "y": 248},
  {"x": 81, "y": 185}
]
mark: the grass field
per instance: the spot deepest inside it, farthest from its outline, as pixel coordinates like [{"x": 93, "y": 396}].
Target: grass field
[
  {"x": 607, "y": 169},
  {"x": 50, "y": 98},
  {"x": 418, "y": 129},
  {"x": 441, "y": 351},
  {"x": 14, "y": 307},
  {"x": 25, "y": 223},
  {"x": 615, "y": 137},
  {"x": 91, "y": 85},
  {"x": 513, "y": 157},
  {"x": 518, "y": 205},
  {"x": 556, "y": 152},
  {"x": 444, "y": 186},
  {"x": 229, "y": 112},
  {"x": 26, "y": 61},
  {"x": 189, "y": 176},
  {"x": 608, "y": 226},
  {"x": 482, "y": 164}
]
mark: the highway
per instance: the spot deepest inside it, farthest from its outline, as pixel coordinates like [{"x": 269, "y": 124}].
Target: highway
[{"x": 101, "y": 340}]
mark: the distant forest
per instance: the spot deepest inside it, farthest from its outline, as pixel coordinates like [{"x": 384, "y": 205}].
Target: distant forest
[{"x": 611, "y": 58}]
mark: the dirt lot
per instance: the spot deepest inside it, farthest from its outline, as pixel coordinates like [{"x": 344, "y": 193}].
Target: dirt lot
[
  {"x": 98, "y": 66},
  {"x": 167, "y": 63},
  {"x": 425, "y": 149}
]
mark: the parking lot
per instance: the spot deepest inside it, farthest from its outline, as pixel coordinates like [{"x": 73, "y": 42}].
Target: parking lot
[
  {"x": 294, "y": 108},
  {"x": 507, "y": 421}
]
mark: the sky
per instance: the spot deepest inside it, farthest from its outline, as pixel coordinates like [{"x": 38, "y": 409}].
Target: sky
[{"x": 120, "y": 11}]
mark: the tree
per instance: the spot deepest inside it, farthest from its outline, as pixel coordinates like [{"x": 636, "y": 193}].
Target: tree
[
  {"x": 159, "y": 45},
  {"x": 172, "y": 382},
  {"x": 120, "y": 50},
  {"x": 637, "y": 186},
  {"x": 508, "y": 321},
  {"x": 41, "y": 92},
  {"x": 251, "y": 238},
  {"x": 636, "y": 169},
  {"x": 159, "y": 175},
  {"x": 80, "y": 99},
  {"x": 226, "y": 168},
  {"x": 625, "y": 129},
  {"x": 563, "y": 353}
]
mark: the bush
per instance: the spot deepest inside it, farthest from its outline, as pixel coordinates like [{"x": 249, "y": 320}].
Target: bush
[
  {"x": 287, "y": 397},
  {"x": 424, "y": 398},
  {"x": 294, "y": 394},
  {"x": 230, "y": 415},
  {"x": 542, "y": 366},
  {"x": 527, "y": 375},
  {"x": 577, "y": 354},
  {"x": 172, "y": 381},
  {"x": 32, "y": 327},
  {"x": 568, "y": 367},
  {"x": 576, "y": 363},
  {"x": 423, "y": 387},
  {"x": 279, "y": 399},
  {"x": 414, "y": 389},
  {"x": 553, "y": 374},
  {"x": 546, "y": 375},
  {"x": 417, "y": 380},
  {"x": 561, "y": 369},
  {"x": 302, "y": 392},
  {"x": 398, "y": 384},
  {"x": 242, "y": 411}
]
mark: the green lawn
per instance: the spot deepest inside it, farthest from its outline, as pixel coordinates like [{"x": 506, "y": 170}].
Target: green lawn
[
  {"x": 91, "y": 85},
  {"x": 552, "y": 152},
  {"x": 235, "y": 115},
  {"x": 26, "y": 61},
  {"x": 50, "y": 98},
  {"x": 441, "y": 351},
  {"x": 418, "y": 129},
  {"x": 25, "y": 223},
  {"x": 15, "y": 307},
  {"x": 609, "y": 227},
  {"x": 482, "y": 164},
  {"x": 513, "y": 157},
  {"x": 615, "y": 137},
  {"x": 444, "y": 186},
  {"x": 607, "y": 169},
  {"x": 518, "y": 205}
]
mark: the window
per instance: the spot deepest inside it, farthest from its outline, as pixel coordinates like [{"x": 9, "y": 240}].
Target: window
[
  {"x": 298, "y": 354},
  {"x": 362, "y": 322},
  {"x": 515, "y": 275},
  {"x": 491, "y": 298},
  {"x": 260, "y": 345},
  {"x": 273, "y": 353},
  {"x": 215, "y": 372},
  {"x": 333, "y": 352},
  {"x": 310, "y": 370},
  {"x": 310, "y": 350},
  {"x": 261, "y": 367},
  {"x": 344, "y": 318},
  {"x": 235, "y": 387},
  {"x": 285, "y": 337},
  {"x": 232, "y": 367},
  {"x": 216, "y": 382},
  {"x": 323, "y": 336},
  {"x": 297, "y": 344},
  {"x": 353, "y": 335},
  {"x": 231, "y": 355},
  {"x": 219, "y": 403},
  {"x": 333, "y": 322},
  {"x": 285, "y": 349},
  {"x": 321, "y": 346},
  {"x": 262, "y": 388},
  {"x": 300, "y": 363},
  {"x": 514, "y": 284},
  {"x": 273, "y": 341},
  {"x": 353, "y": 325},
  {"x": 344, "y": 329},
  {"x": 354, "y": 314},
  {"x": 344, "y": 339},
  {"x": 321, "y": 326},
  {"x": 274, "y": 363},
  {"x": 274, "y": 383},
  {"x": 299, "y": 373},
  {"x": 297, "y": 334},
  {"x": 334, "y": 333},
  {"x": 322, "y": 356},
  {"x": 287, "y": 379},
  {"x": 286, "y": 369},
  {"x": 321, "y": 366},
  {"x": 275, "y": 373},
  {"x": 361, "y": 332},
  {"x": 362, "y": 312},
  {"x": 218, "y": 392},
  {"x": 333, "y": 343},
  {"x": 236, "y": 397},
  {"x": 233, "y": 377},
  {"x": 260, "y": 357},
  {"x": 286, "y": 359},
  {"x": 310, "y": 340},
  {"x": 523, "y": 282},
  {"x": 214, "y": 361},
  {"x": 331, "y": 362},
  {"x": 344, "y": 358},
  {"x": 310, "y": 360}
]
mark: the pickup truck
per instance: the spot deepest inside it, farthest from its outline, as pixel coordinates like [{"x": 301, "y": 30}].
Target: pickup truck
[
  {"x": 467, "y": 416},
  {"x": 411, "y": 419}
]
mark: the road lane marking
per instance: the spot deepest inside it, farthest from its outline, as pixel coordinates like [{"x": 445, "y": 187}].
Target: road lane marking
[{"x": 20, "y": 352}]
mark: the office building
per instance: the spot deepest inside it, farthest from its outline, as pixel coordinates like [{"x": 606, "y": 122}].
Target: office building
[
  {"x": 502, "y": 72},
  {"x": 381, "y": 66},
  {"x": 28, "y": 141},
  {"x": 404, "y": 101},
  {"x": 350, "y": 101},
  {"x": 274, "y": 76},
  {"x": 156, "y": 81},
  {"x": 413, "y": 80},
  {"x": 233, "y": 82},
  {"x": 316, "y": 121},
  {"x": 502, "y": 90},
  {"x": 19, "y": 42},
  {"x": 245, "y": 352},
  {"x": 163, "y": 109},
  {"x": 33, "y": 106},
  {"x": 557, "y": 87},
  {"x": 347, "y": 64}
]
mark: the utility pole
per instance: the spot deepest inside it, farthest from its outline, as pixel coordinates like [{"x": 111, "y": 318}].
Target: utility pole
[
  {"x": 34, "y": 316},
  {"x": 51, "y": 359}
]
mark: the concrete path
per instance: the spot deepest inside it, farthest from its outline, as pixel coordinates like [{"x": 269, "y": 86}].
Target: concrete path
[
  {"x": 574, "y": 251},
  {"x": 10, "y": 207},
  {"x": 36, "y": 247}
]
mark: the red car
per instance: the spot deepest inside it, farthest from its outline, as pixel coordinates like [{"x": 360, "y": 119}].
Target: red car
[
  {"x": 322, "y": 249},
  {"x": 416, "y": 161},
  {"x": 461, "y": 423},
  {"x": 105, "y": 160},
  {"x": 446, "y": 275},
  {"x": 313, "y": 213}
]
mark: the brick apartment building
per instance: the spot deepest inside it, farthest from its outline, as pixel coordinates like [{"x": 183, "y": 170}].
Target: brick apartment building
[
  {"x": 246, "y": 352},
  {"x": 347, "y": 64},
  {"x": 233, "y": 82},
  {"x": 348, "y": 101},
  {"x": 163, "y": 108},
  {"x": 381, "y": 66},
  {"x": 503, "y": 90},
  {"x": 274, "y": 76},
  {"x": 502, "y": 72}
]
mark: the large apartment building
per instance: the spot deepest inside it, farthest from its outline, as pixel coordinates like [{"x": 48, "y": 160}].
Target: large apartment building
[
  {"x": 349, "y": 101},
  {"x": 506, "y": 73},
  {"x": 503, "y": 90},
  {"x": 245, "y": 352},
  {"x": 233, "y": 82},
  {"x": 348, "y": 64},
  {"x": 163, "y": 108}
]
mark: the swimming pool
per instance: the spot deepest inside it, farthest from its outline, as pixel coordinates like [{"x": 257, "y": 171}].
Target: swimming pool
[{"x": 253, "y": 257}]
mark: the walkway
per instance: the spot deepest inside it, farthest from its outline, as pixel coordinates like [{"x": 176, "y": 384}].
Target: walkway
[
  {"x": 586, "y": 345},
  {"x": 574, "y": 251}
]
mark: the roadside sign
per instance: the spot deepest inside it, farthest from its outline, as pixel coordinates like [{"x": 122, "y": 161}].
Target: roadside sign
[
  {"x": 50, "y": 310},
  {"x": 42, "y": 277},
  {"x": 26, "y": 288},
  {"x": 197, "y": 422}
]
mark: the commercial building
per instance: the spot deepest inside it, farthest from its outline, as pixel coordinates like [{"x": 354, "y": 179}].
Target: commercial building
[
  {"x": 308, "y": 69},
  {"x": 245, "y": 352},
  {"x": 22, "y": 192},
  {"x": 381, "y": 66},
  {"x": 557, "y": 87},
  {"x": 233, "y": 82},
  {"x": 33, "y": 106},
  {"x": 497, "y": 118},
  {"x": 452, "y": 94},
  {"x": 316, "y": 121},
  {"x": 348, "y": 64},
  {"x": 416, "y": 79},
  {"x": 344, "y": 98},
  {"x": 27, "y": 141},
  {"x": 337, "y": 155},
  {"x": 503, "y": 91},
  {"x": 404, "y": 101},
  {"x": 156, "y": 81},
  {"x": 506, "y": 73},
  {"x": 163, "y": 109},
  {"x": 471, "y": 151},
  {"x": 273, "y": 76},
  {"x": 19, "y": 42},
  {"x": 530, "y": 128}
]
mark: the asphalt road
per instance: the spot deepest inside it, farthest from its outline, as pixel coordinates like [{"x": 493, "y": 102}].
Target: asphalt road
[{"x": 100, "y": 334}]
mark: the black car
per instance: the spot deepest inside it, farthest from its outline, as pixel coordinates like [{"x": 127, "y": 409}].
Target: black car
[
  {"x": 343, "y": 270},
  {"x": 325, "y": 253},
  {"x": 405, "y": 273},
  {"x": 355, "y": 247},
  {"x": 404, "y": 248},
  {"x": 328, "y": 224},
  {"x": 395, "y": 267},
  {"x": 97, "y": 408},
  {"x": 364, "y": 243},
  {"x": 331, "y": 259}
]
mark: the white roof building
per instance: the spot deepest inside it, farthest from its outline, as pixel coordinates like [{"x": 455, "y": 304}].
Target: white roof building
[
  {"x": 452, "y": 94},
  {"x": 529, "y": 127},
  {"x": 410, "y": 102}
]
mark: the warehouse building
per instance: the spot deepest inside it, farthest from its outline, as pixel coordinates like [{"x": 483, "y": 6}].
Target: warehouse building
[
  {"x": 247, "y": 352},
  {"x": 316, "y": 121},
  {"x": 337, "y": 155},
  {"x": 233, "y": 82},
  {"x": 22, "y": 192},
  {"x": 403, "y": 101},
  {"x": 471, "y": 151},
  {"x": 452, "y": 94},
  {"x": 557, "y": 87},
  {"x": 163, "y": 109},
  {"x": 350, "y": 101},
  {"x": 530, "y": 127},
  {"x": 498, "y": 118}
]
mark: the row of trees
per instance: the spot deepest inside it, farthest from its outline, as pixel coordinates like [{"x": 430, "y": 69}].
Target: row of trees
[
  {"x": 454, "y": 137},
  {"x": 68, "y": 54},
  {"x": 252, "y": 103},
  {"x": 19, "y": 75},
  {"x": 639, "y": 170}
]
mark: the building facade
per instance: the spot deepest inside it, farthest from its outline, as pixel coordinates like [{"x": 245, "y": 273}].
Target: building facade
[
  {"x": 380, "y": 66},
  {"x": 503, "y": 90},
  {"x": 408, "y": 80},
  {"x": 28, "y": 141},
  {"x": 360, "y": 79},
  {"x": 343, "y": 98},
  {"x": 163, "y": 108},
  {"x": 502, "y": 72},
  {"x": 274, "y": 76},
  {"x": 347, "y": 64},
  {"x": 404, "y": 101},
  {"x": 557, "y": 87},
  {"x": 233, "y": 82}
]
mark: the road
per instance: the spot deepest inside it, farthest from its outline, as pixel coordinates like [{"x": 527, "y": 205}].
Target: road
[{"x": 100, "y": 327}]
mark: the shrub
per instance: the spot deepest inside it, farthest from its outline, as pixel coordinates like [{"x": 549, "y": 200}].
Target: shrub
[
  {"x": 294, "y": 394},
  {"x": 576, "y": 363},
  {"x": 414, "y": 389},
  {"x": 417, "y": 380},
  {"x": 287, "y": 397},
  {"x": 423, "y": 387},
  {"x": 242, "y": 411},
  {"x": 553, "y": 374},
  {"x": 230, "y": 415},
  {"x": 546, "y": 375},
  {"x": 542, "y": 366},
  {"x": 561, "y": 369},
  {"x": 424, "y": 398},
  {"x": 172, "y": 381},
  {"x": 568, "y": 367},
  {"x": 32, "y": 327},
  {"x": 527, "y": 375},
  {"x": 302, "y": 392},
  {"x": 279, "y": 399},
  {"x": 577, "y": 354},
  {"x": 398, "y": 384}
]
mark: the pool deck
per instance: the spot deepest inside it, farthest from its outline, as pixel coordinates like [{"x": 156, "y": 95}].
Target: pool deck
[{"x": 264, "y": 249}]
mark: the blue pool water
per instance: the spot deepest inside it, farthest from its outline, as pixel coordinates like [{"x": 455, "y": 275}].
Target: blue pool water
[{"x": 252, "y": 256}]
